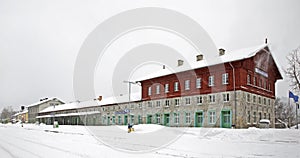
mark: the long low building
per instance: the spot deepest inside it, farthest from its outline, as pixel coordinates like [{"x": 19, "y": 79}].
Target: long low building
[{"x": 236, "y": 90}]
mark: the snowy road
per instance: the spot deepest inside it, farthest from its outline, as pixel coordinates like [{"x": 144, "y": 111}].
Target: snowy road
[{"x": 75, "y": 141}]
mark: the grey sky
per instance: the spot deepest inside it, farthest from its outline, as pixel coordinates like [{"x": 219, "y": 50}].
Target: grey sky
[{"x": 39, "y": 41}]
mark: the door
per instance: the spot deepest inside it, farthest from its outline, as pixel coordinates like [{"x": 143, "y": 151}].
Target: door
[
  {"x": 226, "y": 119},
  {"x": 167, "y": 119},
  {"x": 149, "y": 119},
  {"x": 125, "y": 120},
  {"x": 199, "y": 119}
]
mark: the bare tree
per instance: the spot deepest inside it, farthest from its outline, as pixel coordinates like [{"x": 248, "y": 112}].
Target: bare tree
[
  {"x": 293, "y": 69},
  {"x": 6, "y": 113},
  {"x": 284, "y": 112}
]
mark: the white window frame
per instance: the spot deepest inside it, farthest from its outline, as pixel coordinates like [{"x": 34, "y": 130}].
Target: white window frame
[
  {"x": 166, "y": 88},
  {"x": 198, "y": 83},
  {"x": 167, "y": 103},
  {"x": 158, "y": 120},
  {"x": 149, "y": 91},
  {"x": 187, "y": 118},
  {"x": 177, "y": 102},
  {"x": 176, "y": 118},
  {"x": 149, "y": 104},
  {"x": 157, "y": 89},
  {"x": 188, "y": 101},
  {"x": 226, "y": 97},
  {"x": 212, "y": 98},
  {"x": 187, "y": 85},
  {"x": 158, "y": 104},
  {"x": 199, "y": 100},
  {"x": 176, "y": 86},
  {"x": 225, "y": 78},
  {"x": 211, "y": 81},
  {"x": 212, "y": 117},
  {"x": 248, "y": 79}
]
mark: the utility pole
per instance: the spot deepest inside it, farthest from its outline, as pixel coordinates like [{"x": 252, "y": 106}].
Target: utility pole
[
  {"x": 129, "y": 93},
  {"x": 297, "y": 105}
]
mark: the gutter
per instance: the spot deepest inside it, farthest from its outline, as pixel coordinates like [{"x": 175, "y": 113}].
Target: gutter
[{"x": 234, "y": 89}]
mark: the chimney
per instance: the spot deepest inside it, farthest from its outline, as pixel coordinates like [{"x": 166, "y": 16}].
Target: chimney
[
  {"x": 99, "y": 98},
  {"x": 266, "y": 41},
  {"x": 221, "y": 51},
  {"x": 164, "y": 66},
  {"x": 180, "y": 62},
  {"x": 199, "y": 57}
]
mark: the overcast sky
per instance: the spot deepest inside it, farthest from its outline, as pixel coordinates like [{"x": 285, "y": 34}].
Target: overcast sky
[{"x": 40, "y": 40}]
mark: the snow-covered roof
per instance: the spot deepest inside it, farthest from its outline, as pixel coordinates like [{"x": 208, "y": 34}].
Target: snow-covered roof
[
  {"x": 70, "y": 114},
  {"x": 44, "y": 101},
  {"x": 229, "y": 56},
  {"x": 21, "y": 112},
  {"x": 92, "y": 103}
]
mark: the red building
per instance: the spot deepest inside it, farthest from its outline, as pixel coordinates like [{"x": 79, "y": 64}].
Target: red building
[{"x": 239, "y": 89}]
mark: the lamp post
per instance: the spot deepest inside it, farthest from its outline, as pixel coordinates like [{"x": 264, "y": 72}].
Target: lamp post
[{"x": 129, "y": 93}]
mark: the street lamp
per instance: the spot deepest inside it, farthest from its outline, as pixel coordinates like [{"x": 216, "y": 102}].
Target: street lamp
[{"x": 129, "y": 93}]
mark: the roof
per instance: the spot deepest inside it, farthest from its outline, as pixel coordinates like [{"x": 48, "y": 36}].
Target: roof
[
  {"x": 44, "y": 101},
  {"x": 93, "y": 103},
  {"x": 21, "y": 112},
  {"x": 229, "y": 56}
]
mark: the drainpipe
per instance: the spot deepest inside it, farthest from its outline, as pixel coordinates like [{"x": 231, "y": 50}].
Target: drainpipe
[{"x": 233, "y": 71}]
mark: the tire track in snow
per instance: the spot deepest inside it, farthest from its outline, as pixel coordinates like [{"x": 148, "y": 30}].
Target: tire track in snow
[
  {"x": 8, "y": 152},
  {"x": 20, "y": 148},
  {"x": 52, "y": 147}
]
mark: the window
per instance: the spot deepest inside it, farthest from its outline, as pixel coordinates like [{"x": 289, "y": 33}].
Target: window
[
  {"x": 225, "y": 97},
  {"x": 149, "y": 104},
  {"x": 176, "y": 118},
  {"x": 157, "y": 104},
  {"x": 139, "y": 119},
  {"x": 113, "y": 119},
  {"x": 166, "y": 88},
  {"x": 259, "y": 100},
  {"x": 157, "y": 89},
  {"x": 211, "y": 81},
  {"x": 167, "y": 103},
  {"x": 269, "y": 102},
  {"x": 140, "y": 105},
  {"x": 158, "y": 118},
  {"x": 211, "y": 98},
  {"x": 260, "y": 83},
  {"x": 119, "y": 120},
  {"x": 248, "y": 97},
  {"x": 177, "y": 102},
  {"x": 248, "y": 79},
  {"x": 199, "y": 100},
  {"x": 132, "y": 106},
  {"x": 248, "y": 117},
  {"x": 212, "y": 117},
  {"x": 187, "y": 118},
  {"x": 265, "y": 101},
  {"x": 176, "y": 86},
  {"x": 265, "y": 115},
  {"x": 187, "y": 101},
  {"x": 254, "y": 117},
  {"x": 149, "y": 90},
  {"x": 265, "y": 85},
  {"x": 187, "y": 84},
  {"x": 254, "y": 99},
  {"x": 225, "y": 78},
  {"x": 254, "y": 81},
  {"x": 198, "y": 83},
  {"x": 259, "y": 114},
  {"x": 269, "y": 87}
]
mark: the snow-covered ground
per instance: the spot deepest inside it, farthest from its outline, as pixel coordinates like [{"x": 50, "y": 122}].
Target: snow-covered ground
[{"x": 78, "y": 141}]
